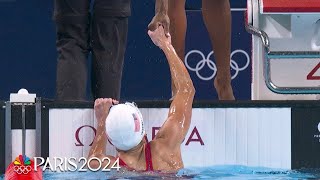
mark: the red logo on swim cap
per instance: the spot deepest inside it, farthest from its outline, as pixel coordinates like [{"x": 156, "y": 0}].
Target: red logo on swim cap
[{"x": 136, "y": 123}]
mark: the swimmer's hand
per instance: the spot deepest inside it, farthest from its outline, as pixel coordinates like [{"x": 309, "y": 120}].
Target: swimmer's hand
[
  {"x": 159, "y": 38},
  {"x": 160, "y": 19},
  {"x": 102, "y": 107}
]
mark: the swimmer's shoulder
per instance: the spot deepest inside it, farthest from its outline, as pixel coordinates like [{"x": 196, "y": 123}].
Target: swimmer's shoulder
[
  {"x": 160, "y": 148},
  {"x": 164, "y": 158}
]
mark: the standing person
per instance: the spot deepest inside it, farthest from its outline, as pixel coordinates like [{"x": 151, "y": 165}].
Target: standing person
[
  {"x": 122, "y": 124},
  {"x": 104, "y": 30},
  {"x": 217, "y": 18}
]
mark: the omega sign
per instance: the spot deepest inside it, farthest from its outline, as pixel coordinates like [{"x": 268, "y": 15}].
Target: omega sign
[{"x": 194, "y": 135}]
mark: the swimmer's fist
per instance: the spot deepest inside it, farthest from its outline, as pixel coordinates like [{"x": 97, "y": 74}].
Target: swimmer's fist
[
  {"x": 159, "y": 38},
  {"x": 102, "y": 107},
  {"x": 160, "y": 19}
]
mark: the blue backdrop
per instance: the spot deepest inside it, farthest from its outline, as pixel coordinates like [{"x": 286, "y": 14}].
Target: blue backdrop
[{"x": 28, "y": 54}]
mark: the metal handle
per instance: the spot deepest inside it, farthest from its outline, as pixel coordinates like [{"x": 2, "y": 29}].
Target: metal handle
[{"x": 260, "y": 33}]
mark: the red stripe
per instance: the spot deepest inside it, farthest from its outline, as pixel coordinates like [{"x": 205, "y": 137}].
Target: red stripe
[
  {"x": 294, "y": 6},
  {"x": 137, "y": 126},
  {"x": 149, "y": 165},
  {"x": 136, "y": 123}
]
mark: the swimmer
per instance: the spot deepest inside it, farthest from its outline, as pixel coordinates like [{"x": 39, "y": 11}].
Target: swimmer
[
  {"x": 122, "y": 124},
  {"x": 217, "y": 18}
]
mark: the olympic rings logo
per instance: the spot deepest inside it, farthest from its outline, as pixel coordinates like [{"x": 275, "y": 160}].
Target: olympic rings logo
[
  {"x": 22, "y": 169},
  {"x": 212, "y": 66}
]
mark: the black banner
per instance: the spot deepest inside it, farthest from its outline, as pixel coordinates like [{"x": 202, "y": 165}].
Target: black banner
[
  {"x": 45, "y": 132},
  {"x": 16, "y": 116},
  {"x": 2, "y": 138},
  {"x": 305, "y": 140}
]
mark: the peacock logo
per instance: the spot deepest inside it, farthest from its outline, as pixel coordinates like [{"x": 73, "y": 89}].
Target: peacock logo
[{"x": 22, "y": 165}]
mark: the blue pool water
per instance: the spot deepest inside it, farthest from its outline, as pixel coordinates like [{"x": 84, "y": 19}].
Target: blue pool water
[{"x": 215, "y": 172}]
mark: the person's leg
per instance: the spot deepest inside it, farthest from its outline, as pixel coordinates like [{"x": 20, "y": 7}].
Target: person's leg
[
  {"x": 109, "y": 40},
  {"x": 72, "y": 28},
  {"x": 178, "y": 28},
  {"x": 217, "y": 18}
]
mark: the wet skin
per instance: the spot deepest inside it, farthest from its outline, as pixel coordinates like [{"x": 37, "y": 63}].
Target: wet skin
[{"x": 166, "y": 146}]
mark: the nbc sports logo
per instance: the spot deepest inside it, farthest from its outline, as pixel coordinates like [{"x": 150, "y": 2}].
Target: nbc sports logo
[
  {"x": 22, "y": 165},
  {"x": 23, "y": 168}
]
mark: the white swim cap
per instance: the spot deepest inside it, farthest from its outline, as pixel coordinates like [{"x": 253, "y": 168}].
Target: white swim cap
[{"x": 124, "y": 126}]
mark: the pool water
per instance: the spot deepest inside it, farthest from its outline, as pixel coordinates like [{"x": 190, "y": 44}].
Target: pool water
[{"x": 214, "y": 172}]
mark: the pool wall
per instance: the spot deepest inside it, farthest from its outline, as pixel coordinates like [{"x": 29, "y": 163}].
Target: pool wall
[{"x": 273, "y": 134}]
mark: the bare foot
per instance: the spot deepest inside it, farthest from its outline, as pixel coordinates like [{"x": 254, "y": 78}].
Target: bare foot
[{"x": 224, "y": 89}]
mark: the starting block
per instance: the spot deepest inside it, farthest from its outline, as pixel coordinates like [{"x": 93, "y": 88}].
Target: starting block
[{"x": 286, "y": 33}]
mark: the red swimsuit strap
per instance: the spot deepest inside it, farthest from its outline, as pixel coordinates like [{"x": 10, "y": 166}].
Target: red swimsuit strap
[
  {"x": 148, "y": 156},
  {"x": 149, "y": 166},
  {"x": 122, "y": 163}
]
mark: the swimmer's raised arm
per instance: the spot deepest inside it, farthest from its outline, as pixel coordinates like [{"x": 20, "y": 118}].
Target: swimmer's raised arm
[
  {"x": 98, "y": 148},
  {"x": 175, "y": 128},
  {"x": 161, "y": 17}
]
